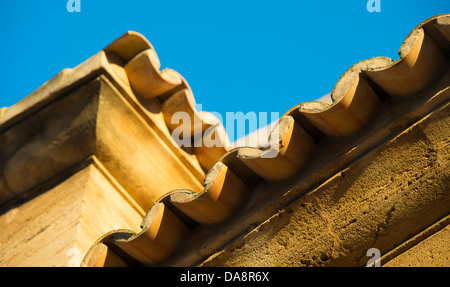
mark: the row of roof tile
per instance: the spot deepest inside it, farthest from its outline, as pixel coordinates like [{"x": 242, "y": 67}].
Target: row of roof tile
[{"x": 232, "y": 174}]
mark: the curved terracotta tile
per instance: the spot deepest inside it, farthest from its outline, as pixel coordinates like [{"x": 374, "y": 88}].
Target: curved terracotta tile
[
  {"x": 128, "y": 45},
  {"x": 161, "y": 235},
  {"x": 103, "y": 253},
  {"x": 207, "y": 134},
  {"x": 2, "y": 111},
  {"x": 100, "y": 255},
  {"x": 146, "y": 79},
  {"x": 442, "y": 25},
  {"x": 245, "y": 173},
  {"x": 224, "y": 194},
  {"x": 290, "y": 149},
  {"x": 421, "y": 63},
  {"x": 355, "y": 103},
  {"x": 213, "y": 145},
  {"x": 183, "y": 102}
]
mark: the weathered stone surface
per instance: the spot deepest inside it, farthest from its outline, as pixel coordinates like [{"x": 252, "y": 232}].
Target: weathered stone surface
[
  {"x": 2, "y": 111},
  {"x": 434, "y": 251},
  {"x": 380, "y": 201},
  {"x": 58, "y": 226}
]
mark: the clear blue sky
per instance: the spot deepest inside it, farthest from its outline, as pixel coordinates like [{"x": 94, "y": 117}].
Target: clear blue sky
[{"x": 261, "y": 56}]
